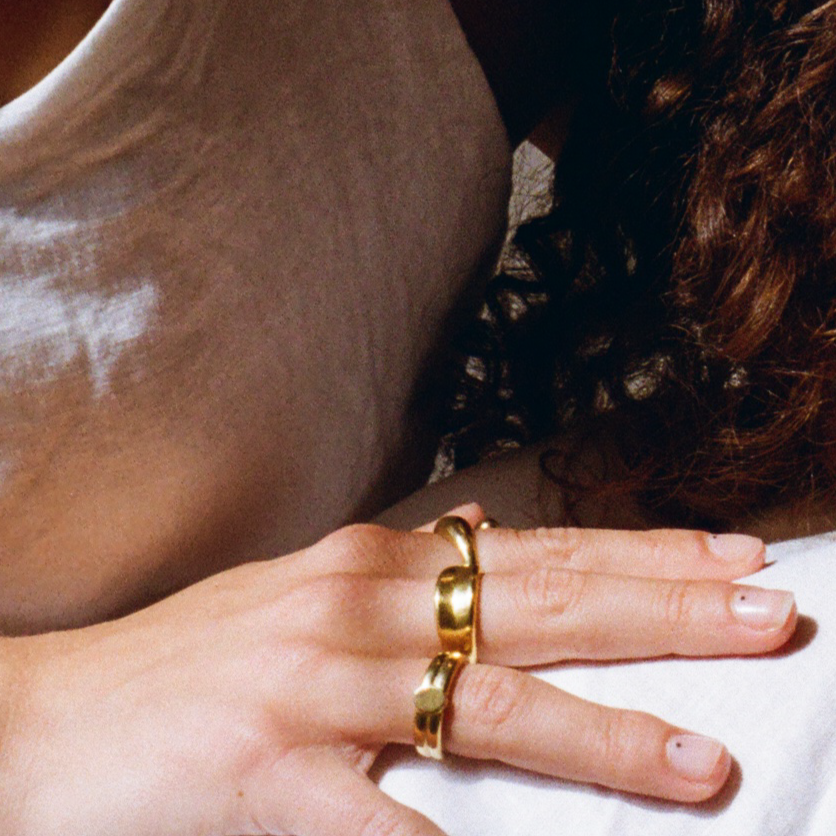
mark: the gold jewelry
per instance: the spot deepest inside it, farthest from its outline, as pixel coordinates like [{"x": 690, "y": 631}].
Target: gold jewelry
[
  {"x": 431, "y": 698},
  {"x": 457, "y": 610},
  {"x": 457, "y": 530},
  {"x": 457, "y": 589}
]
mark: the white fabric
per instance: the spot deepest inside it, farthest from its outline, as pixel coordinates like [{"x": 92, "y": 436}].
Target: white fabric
[
  {"x": 776, "y": 715},
  {"x": 231, "y": 235}
]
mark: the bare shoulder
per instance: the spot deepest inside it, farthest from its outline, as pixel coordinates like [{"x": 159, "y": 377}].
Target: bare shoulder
[
  {"x": 562, "y": 482},
  {"x": 528, "y": 488}
]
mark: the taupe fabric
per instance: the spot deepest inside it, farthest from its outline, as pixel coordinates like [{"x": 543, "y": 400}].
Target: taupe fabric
[{"x": 230, "y": 235}]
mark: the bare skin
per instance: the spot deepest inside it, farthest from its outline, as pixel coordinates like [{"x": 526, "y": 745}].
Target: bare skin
[
  {"x": 283, "y": 677},
  {"x": 535, "y": 54},
  {"x": 248, "y": 418},
  {"x": 36, "y": 35},
  {"x": 286, "y": 677},
  {"x": 68, "y": 564},
  {"x": 516, "y": 490}
]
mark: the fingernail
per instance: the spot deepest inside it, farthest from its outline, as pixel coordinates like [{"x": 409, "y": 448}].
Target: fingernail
[
  {"x": 734, "y": 547},
  {"x": 695, "y": 757},
  {"x": 762, "y": 609}
]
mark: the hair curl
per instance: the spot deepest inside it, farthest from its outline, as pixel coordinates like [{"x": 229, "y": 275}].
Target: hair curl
[{"x": 684, "y": 283}]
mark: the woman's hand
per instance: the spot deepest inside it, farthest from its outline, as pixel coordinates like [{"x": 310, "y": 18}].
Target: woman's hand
[{"x": 255, "y": 701}]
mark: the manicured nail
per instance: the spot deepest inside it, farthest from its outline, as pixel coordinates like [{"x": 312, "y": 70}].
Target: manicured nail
[
  {"x": 695, "y": 757},
  {"x": 762, "y": 609},
  {"x": 735, "y": 547}
]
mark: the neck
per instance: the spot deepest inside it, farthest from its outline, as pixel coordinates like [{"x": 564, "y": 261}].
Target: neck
[
  {"x": 36, "y": 35},
  {"x": 536, "y": 54}
]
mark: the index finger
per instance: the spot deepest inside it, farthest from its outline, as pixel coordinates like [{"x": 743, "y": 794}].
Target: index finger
[
  {"x": 659, "y": 553},
  {"x": 665, "y": 553}
]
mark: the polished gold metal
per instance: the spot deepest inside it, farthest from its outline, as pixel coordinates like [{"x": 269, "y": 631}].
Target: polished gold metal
[
  {"x": 457, "y": 589},
  {"x": 457, "y": 610},
  {"x": 431, "y": 699},
  {"x": 488, "y": 522},
  {"x": 457, "y": 530}
]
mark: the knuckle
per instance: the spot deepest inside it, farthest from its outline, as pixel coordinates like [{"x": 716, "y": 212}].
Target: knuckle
[
  {"x": 492, "y": 697},
  {"x": 617, "y": 737},
  {"x": 252, "y": 748},
  {"x": 352, "y": 545},
  {"x": 327, "y": 601},
  {"x": 676, "y": 602},
  {"x": 387, "y": 822},
  {"x": 306, "y": 660},
  {"x": 561, "y": 544},
  {"x": 249, "y": 734},
  {"x": 358, "y": 756},
  {"x": 551, "y": 591}
]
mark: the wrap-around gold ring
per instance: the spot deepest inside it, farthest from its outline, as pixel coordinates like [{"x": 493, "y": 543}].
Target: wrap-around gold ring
[
  {"x": 456, "y": 610},
  {"x": 457, "y": 590},
  {"x": 458, "y": 531},
  {"x": 431, "y": 698},
  {"x": 457, "y": 614}
]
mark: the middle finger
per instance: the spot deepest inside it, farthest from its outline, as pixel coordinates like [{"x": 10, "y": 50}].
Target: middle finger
[{"x": 552, "y": 614}]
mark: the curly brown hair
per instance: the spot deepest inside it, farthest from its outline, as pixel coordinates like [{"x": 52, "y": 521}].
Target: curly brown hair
[{"x": 683, "y": 288}]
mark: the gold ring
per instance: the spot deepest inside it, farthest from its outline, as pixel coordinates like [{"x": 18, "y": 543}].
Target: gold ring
[
  {"x": 457, "y": 530},
  {"x": 431, "y": 698},
  {"x": 457, "y": 610},
  {"x": 457, "y": 589}
]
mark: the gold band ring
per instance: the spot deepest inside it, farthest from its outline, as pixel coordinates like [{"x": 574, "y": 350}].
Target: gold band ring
[
  {"x": 458, "y": 531},
  {"x": 431, "y": 698},
  {"x": 457, "y": 610},
  {"x": 457, "y": 589}
]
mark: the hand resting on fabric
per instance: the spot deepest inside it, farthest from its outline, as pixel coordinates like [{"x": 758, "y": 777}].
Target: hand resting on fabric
[{"x": 255, "y": 701}]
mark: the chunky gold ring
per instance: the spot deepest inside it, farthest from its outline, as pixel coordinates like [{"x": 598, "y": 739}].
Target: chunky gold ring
[
  {"x": 457, "y": 530},
  {"x": 457, "y": 589},
  {"x": 431, "y": 698},
  {"x": 457, "y": 610}
]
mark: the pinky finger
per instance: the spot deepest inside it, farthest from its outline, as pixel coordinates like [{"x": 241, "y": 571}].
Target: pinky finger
[{"x": 332, "y": 797}]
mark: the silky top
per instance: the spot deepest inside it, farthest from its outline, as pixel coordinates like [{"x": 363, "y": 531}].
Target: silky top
[{"x": 232, "y": 236}]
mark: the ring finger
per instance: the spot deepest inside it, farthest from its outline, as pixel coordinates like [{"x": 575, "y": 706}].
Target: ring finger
[{"x": 502, "y": 714}]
